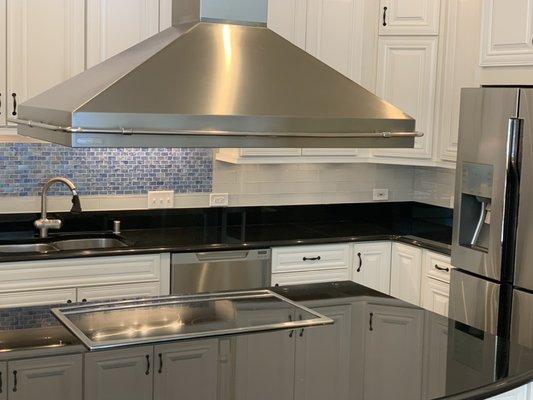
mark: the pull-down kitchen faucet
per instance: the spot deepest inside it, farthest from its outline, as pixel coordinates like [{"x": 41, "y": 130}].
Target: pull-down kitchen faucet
[{"x": 43, "y": 224}]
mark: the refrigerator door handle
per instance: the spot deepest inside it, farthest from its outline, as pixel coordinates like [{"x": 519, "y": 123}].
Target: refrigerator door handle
[
  {"x": 513, "y": 147},
  {"x": 479, "y": 225}
]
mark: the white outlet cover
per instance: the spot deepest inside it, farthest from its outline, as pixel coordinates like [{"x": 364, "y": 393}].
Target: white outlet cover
[
  {"x": 218, "y": 199},
  {"x": 161, "y": 199},
  {"x": 381, "y": 194}
]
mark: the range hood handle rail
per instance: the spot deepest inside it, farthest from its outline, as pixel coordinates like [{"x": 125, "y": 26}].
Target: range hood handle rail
[{"x": 130, "y": 131}]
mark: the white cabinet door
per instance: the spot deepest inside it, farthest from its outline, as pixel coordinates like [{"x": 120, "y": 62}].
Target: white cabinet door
[
  {"x": 372, "y": 265},
  {"x": 507, "y": 32},
  {"x": 45, "y": 46},
  {"x": 310, "y": 258},
  {"x": 119, "y": 374},
  {"x": 406, "y": 77},
  {"x": 288, "y": 19},
  {"x": 325, "y": 348},
  {"x": 3, "y": 381},
  {"x": 435, "y": 356},
  {"x": 435, "y": 296},
  {"x": 264, "y": 362},
  {"x": 115, "y": 25},
  {"x": 522, "y": 393},
  {"x": 406, "y": 273},
  {"x": 58, "y": 378},
  {"x": 409, "y": 17},
  {"x": 188, "y": 368},
  {"x": 3, "y": 64},
  {"x": 334, "y": 34},
  {"x": 37, "y": 297},
  {"x": 118, "y": 291},
  {"x": 302, "y": 277},
  {"x": 392, "y": 371}
]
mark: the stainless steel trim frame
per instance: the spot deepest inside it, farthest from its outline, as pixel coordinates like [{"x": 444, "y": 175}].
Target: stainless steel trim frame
[{"x": 62, "y": 315}]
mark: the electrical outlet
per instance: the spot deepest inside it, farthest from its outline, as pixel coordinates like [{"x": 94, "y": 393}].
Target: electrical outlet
[
  {"x": 161, "y": 199},
  {"x": 381, "y": 194},
  {"x": 219, "y": 200}
]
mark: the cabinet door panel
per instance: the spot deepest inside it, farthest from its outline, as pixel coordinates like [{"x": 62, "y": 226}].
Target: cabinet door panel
[
  {"x": 392, "y": 371},
  {"x": 409, "y": 17},
  {"x": 3, "y": 381},
  {"x": 298, "y": 278},
  {"x": 333, "y": 36},
  {"x": 507, "y": 32},
  {"x": 190, "y": 369},
  {"x": 45, "y": 46},
  {"x": 3, "y": 64},
  {"x": 406, "y": 77},
  {"x": 406, "y": 273},
  {"x": 115, "y": 25},
  {"x": 288, "y": 19},
  {"x": 372, "y": 265},
  {"x": 326, "y": 348},
  {"x": 119, "y": 374},
  {"x": 37, "y": 297},
  {"x": 264, "y": 363},
  {"x": 58, "y": 378},
  {"x": 119, "y": 291},
  {"x": 436, "y": 296},
  {"x": 435, "y": 356}
]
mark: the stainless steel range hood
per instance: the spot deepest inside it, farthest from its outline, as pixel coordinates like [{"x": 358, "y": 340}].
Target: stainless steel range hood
[{"x": 229, "y": 82}]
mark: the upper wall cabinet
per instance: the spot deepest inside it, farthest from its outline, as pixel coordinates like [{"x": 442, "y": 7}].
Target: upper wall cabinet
[
  {"x": 507, "y": 32},
  {"x": 3, "y": 64},
  {"x": 409, "y": 17},
  {"x": 115, "y": 25},
  {"x": 45, "y": 46},
  {"x": 288, "y": 19},
  {"x": 406, "y": 77}
]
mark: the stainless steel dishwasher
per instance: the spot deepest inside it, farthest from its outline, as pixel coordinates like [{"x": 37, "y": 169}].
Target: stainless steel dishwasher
[{"x": 220, "y": 270}]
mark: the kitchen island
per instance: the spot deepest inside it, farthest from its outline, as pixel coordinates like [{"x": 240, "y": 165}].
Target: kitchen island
[{"x": 377, "y": 348}]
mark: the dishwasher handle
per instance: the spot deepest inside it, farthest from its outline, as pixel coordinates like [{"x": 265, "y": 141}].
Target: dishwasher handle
[{"x": 222, "y": 255}]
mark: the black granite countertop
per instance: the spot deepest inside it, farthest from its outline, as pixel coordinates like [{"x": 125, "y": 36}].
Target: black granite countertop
[
  {"x": 234, "y": 229},
  {"x": 412, "y": 350}
]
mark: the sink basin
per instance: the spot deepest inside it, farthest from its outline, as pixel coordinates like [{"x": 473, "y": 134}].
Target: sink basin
[
  {"x": 88, "y": 244},
  {"x": 27, "y": 248}
]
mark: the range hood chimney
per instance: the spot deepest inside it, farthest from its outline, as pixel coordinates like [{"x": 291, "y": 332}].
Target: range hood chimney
[{"x": 217, "y": 78}]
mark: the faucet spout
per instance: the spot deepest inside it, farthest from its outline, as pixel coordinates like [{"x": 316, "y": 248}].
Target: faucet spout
[{"x": 44, "y": 224}]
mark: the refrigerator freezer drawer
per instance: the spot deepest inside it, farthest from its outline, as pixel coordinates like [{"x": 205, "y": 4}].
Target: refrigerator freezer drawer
[
  {"x": 522, "y": 318},
  {"x": 474, "y": 301}
]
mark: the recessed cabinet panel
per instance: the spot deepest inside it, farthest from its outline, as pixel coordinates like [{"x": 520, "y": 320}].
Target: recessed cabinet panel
[
  {"x": 118, "y": 291},
  {"x": 189, "y": 368},
  {"x": 409, "y": 17},
  {"x": 332, "y": 27},
  {"x": 3, "y": 64},
  {"x": 406, "y": 77},
  {"x": 119, "y": 374},
  {"x": 115, "y": 25},
  {"x": 58, "y": 378},
  {"x": 406, "y": 273},
  {"x": 371, "y": 265},
  {"x": 45, "y": 46},
  {"x": 507, "y": 32},
  {"x": 436, "y": 296},
  {"x": 392, "y": 371},
  {"x": 37, "y": 297},
  {"x": 288, "y": 19}
]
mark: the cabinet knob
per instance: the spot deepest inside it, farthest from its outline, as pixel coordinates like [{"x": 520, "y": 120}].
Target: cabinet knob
[
  {"x": 84, "y": 300},
  {"x": 69, "y": 301}
]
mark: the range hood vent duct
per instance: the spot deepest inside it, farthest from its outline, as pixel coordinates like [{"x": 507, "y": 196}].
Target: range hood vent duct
[{"x": 217, "y": 78}]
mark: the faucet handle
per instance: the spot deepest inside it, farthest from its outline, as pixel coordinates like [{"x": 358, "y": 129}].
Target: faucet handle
[{"x": 48, "y": 223}]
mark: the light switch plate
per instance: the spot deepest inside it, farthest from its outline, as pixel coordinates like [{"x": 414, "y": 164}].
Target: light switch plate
[
  {"x": 381, "y": 194},
  {"x": 161, "y": 199},
  {"x": 219, "y": 200}
]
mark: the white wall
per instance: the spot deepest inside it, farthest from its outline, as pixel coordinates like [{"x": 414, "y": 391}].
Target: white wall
[
  {"x": 250, "y": 185},
  {"x": 434, "y": 186}
]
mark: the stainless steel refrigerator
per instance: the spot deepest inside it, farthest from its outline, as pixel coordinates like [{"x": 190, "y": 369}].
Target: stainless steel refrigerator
[{"x": 492, "y": 246}]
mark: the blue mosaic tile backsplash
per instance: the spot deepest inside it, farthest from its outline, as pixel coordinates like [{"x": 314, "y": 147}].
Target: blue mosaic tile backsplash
[{"x": 25, "y": 167}]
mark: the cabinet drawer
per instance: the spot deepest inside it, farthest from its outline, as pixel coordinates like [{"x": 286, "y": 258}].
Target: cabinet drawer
[
  {"x": 76, "y": 272},
  {"x": 436, "y": 296},
  {"x": 297, "y": 278},
  {"x": 437, "y": 266},
  {"x": 37, "y": 297},
  {"x": 309, "y": 258},
  {"x": 119, "y": 291}
]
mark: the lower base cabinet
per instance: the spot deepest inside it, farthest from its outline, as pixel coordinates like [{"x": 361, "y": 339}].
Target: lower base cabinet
[
  {"x": 189, "y": 369},
  {"x": 3, "y": 381},
  {"x": 290, "y": 365},
  {"x": 58, "y": 378},
  {"x": 119, "y": 374}
]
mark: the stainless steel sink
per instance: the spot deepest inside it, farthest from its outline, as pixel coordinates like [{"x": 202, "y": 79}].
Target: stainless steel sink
[
  {"x": 62, "y": 245},
  {"x": 88, "y": 244},
  {"x": 27, "y": 248}
]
